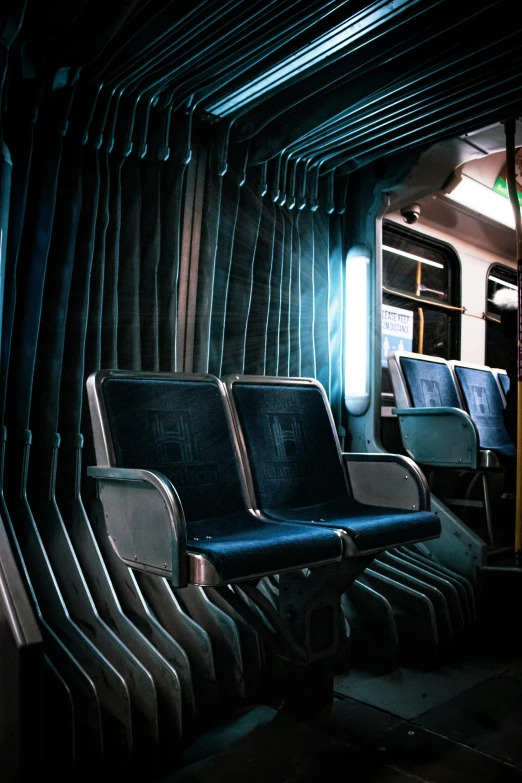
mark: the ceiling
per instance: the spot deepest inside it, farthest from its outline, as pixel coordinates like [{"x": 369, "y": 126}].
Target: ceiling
[{"x": 305, "y": 85}]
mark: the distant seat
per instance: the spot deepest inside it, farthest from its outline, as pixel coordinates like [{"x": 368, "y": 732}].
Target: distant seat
[
  {"x": 298, "y": 474},
  {"x": 483, "y": 401},
  {"x": 451, "y": 415},
  {"x": 443, "y": 421}
]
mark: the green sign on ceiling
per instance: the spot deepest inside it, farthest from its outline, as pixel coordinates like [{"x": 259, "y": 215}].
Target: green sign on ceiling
[{"x": 501, "y": 187}]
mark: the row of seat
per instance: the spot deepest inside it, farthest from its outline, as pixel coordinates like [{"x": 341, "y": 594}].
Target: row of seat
[
  {"x": 246, "y": 459},
  {"x": 467, "y": 402},
  {"x": 450, "y": 415},
  {"x": 213, "y": 482}
]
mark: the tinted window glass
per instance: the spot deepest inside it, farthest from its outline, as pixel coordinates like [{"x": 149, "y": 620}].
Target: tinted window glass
[{"x": 420, "y": 287}]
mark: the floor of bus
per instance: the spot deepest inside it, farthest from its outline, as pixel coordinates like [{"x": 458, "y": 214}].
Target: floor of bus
[{"x": 460, "y": 723}]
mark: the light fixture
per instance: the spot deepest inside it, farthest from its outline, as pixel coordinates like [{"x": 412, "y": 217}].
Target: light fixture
[
  {"x": 483, "y": 200},
  {"x": 326, "y": 45},
  {"x": 357, "y": 331},
  {"x": 413, "y": 256},
  {"x": 503, "y": 282}
]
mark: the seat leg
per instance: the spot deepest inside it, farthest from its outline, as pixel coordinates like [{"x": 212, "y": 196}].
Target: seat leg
[{"x": 309, "y": 601}]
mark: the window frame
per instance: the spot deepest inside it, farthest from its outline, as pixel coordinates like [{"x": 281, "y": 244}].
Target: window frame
[
  {"x": 496, "y": 264},
  {"x": 454, "y": 305},
  {"x": 492, "y": 320}
]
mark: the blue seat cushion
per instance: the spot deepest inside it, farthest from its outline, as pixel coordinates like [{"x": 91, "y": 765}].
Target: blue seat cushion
[
  {"x": 485, "y": 406},
  {"x": 240, "y": 545},
  {"x": 370, "y": 527}
]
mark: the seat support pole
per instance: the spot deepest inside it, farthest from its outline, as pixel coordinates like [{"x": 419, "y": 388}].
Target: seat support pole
[{"x": 310, "y": 602}]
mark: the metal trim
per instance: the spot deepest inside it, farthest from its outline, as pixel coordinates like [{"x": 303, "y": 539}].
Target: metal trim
[
  {"x": 174, "y": 509},
  {"x": 204, "y": 574},
  {"x": 407, "y": 462},
  {"x": 489, "y": 460}
]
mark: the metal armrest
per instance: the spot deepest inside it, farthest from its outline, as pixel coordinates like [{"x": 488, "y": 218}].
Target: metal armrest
[
  {"x": 442, "y": 437},
  {"x": 387, "y": 480},
  {"x": 144, "y": 519}
]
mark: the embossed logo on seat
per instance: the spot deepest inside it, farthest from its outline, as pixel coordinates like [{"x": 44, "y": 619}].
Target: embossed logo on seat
[
  {"x": 288, "y": 436},
  {"x": 172, "y": 436},
  {"x": 431, "y": 393},
  {"x": 176, "y": 448},
  {"x": 480, "y": 400}
]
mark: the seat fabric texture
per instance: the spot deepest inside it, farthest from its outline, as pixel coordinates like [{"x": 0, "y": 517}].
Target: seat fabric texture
[
  {"x": 370, "y": 527},
  {"x": 180, "y": 429},
  {"x": 241, "y": 544},
  {"x": 430, "y": 384}
]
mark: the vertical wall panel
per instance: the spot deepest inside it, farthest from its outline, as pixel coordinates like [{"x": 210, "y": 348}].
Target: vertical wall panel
[{"x": 268, "y": 286}]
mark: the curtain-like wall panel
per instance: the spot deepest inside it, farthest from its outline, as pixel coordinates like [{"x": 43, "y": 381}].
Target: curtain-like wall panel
[
  {"x": 269, "y": 285},
  {"x": 136, "y": 258}
]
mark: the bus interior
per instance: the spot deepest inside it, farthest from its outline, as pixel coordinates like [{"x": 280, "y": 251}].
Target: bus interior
[{"x": 257, "y": 498}]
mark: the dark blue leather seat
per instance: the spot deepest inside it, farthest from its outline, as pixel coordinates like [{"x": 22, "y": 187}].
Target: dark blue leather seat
[
  {"x": 180, "y": 429},
  {"x": 485, "y": 406},
  {"x": 240, "y": 544},
  {"x": 297, "y": 471},
  {"x": 370, "y": 527}
]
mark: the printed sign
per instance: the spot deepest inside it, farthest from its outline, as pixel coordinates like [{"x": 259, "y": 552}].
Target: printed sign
[{"x": 397, "y": 331}]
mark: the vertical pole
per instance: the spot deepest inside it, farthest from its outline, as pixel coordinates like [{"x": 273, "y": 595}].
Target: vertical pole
[
  {"x": 420, "y": 311},
  {"x": 509, "y": 128}
]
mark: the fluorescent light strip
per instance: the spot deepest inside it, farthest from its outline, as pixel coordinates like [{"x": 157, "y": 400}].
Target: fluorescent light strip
[
  {"x": 357, "y": 330},
  {"x": 483, "y": 200},
  {"x": 413, "y": 257},
  {"x": 339, "y": 38},
  {"x": 503, "y": 282}
]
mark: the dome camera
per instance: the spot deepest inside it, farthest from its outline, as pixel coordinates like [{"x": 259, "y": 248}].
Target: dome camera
[{"x": 411, "y": 213}]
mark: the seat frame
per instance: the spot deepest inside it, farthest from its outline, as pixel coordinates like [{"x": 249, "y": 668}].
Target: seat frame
[{"x": 184, "y": 566}]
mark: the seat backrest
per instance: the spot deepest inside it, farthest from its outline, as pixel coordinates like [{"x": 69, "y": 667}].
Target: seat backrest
[
  {"x": 177, "y": 425},
  {"x": 428, "y": 381},
  {"x": 289, "y": 439},
  {"x": 485, "y": 406}
]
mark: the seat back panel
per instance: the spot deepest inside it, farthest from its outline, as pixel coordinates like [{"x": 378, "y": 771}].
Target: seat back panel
[
  {"x": 178, "y": 428},
  {"x": 485, "y": 406},
  {"x": 430, "y": 384},
  {"x": 292, "y": 449}
]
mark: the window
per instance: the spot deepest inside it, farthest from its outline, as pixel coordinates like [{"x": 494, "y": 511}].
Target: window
[
  {"x": 502, "y": 283},
  {"x": 420, "y": 297}
]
